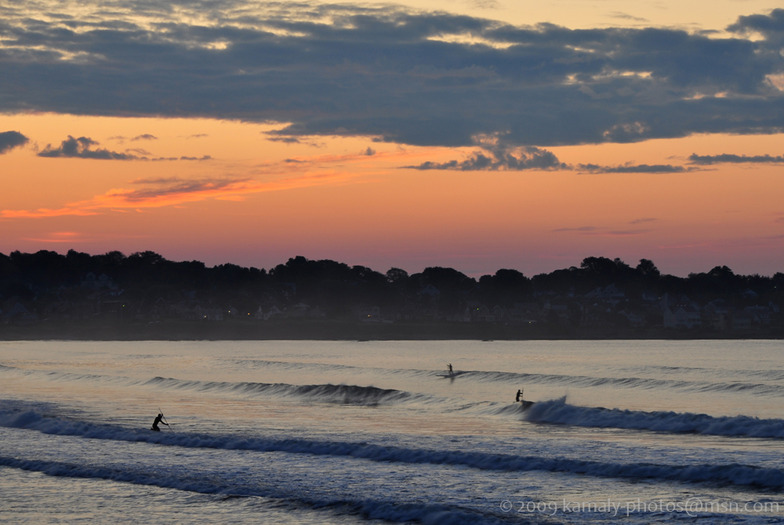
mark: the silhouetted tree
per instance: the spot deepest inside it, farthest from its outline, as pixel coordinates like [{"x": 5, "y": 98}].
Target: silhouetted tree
[
  {"x": 504, "y": 288},
  {"x": 647, "y": 269}
]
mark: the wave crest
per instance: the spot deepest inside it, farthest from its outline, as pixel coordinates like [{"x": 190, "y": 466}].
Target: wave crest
[
  {"x": 723, "y": 474},
  {"x": 560, "y": 412},
  {"x": 326, "y": 393}
]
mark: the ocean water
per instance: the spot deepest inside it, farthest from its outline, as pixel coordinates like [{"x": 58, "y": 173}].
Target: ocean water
[{"x": 352, "y": 432}]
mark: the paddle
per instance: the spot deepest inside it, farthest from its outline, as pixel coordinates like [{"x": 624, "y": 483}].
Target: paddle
[{"x": 163, "y": 418}]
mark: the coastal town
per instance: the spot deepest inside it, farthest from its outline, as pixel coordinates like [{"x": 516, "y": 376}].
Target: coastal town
[{"x": 143, "y": 295}]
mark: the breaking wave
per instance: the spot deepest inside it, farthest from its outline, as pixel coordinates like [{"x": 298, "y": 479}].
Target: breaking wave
[
  {"x": 760, "y": 389},
  {"x": 560, "y": 412},
  {"x": 231, "y": 486},
  {"x": 721, "y": 474},
  {"x": 327, "y": 393}
]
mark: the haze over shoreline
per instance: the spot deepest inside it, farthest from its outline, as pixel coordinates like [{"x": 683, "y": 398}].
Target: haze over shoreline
[{"x": 145, "y": 296}]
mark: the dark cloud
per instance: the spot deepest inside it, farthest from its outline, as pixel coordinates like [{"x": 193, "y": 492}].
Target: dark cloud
[
  {"x": 82, "y": 148},
  {"x": 199, "y": 159},
  {"x": 730, "y": 158},
  {"x": 633, "y": 168},
  {"x": 771, "y": 25},
  {"x": 394, "y": 74},
  {"x": 10, "y": 140},
  {"x": 500, "y": 158},
  {"x": 202, "y": 158},
  {"x": 286, "y": 140}
]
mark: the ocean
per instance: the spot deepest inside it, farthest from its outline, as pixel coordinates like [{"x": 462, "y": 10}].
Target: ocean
[{"x": 350, "y": 432}]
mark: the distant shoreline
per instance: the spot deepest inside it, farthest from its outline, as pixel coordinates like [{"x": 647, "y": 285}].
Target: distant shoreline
[{"x": 339, "y": 330}]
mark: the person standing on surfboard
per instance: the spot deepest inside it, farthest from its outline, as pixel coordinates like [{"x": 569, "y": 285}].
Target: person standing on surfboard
[{"x": 158, "y": 419}]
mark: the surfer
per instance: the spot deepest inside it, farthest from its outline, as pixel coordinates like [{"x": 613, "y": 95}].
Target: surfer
[
  {"x": 158, "y": 419},
  {"x": 519, "y": 396},
  {"x": 449, "y": 366}
]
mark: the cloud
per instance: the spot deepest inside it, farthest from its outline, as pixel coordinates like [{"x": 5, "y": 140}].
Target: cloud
[
  {"x": 10, "y": 140},
  {"x": 164, "y": 188},
  {"x": 149, "y": 193},
  {"x": 59, "y": 238},
  {"x": 634, "y": 168},
  {"x": 82, "y": 148},
  {"x": 183, "y": 157},
  {"x": 500, "y": 158},
  {"x": 174, "y": 191},
  {"x": 771, "y": 26},
  {"x": 644, "y": 220},
  {"x": 579, "y": 229},
  {"x": 601, "y": 232},
  {"x": 627, "y": 16},
  {"x": 730, "y": 158},
  {"x": 285, "y": 140},
  {"x": 405, "y": 76}
]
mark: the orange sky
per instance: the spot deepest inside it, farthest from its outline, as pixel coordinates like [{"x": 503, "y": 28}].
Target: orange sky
[
  {"x": 198, "y": 183},
  {"x": 256, "y": 202}
]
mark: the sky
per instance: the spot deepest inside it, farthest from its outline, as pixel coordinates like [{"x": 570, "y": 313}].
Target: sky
[{"x": 471, "y": 134}]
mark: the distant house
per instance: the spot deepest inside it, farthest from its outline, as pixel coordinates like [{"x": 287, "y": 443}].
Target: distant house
[
  {"x": 717, "y": 314},
  {"x": 430, "y": 291},
  {"x": 209, "y": 313},
  {"x": 742, "y": 321},
  {"x": 634, "y": 319},
  {"x": 524, "y": 313},
  {"x": 609, "y": 294},
  {"x": 482, "y": 314},
  {"x": 680, "y": 314},
  {"x": 18, "y": 314},
  {"x": 760, "y": 315},
  {"x": 100, "y": 282},
  {"x": 272, "y": 311},
  {"x": 303, "y": 310},
  {"x": 369, "y": 314},
  {"x": 558, "y": 311}
]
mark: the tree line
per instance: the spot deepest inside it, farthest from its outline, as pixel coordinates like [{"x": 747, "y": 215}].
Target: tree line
[{"x": 142, "y": 281}]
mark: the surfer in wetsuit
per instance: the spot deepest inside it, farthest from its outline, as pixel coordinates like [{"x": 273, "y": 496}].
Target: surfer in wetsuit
[
  {"x": 158, "y": 419},
  {"x": 449, "y": 366},
  {"x": 519, "y": 395}
]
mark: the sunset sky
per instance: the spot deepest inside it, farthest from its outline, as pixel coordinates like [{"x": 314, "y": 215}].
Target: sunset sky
[{"x": 472, "y": 134}]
